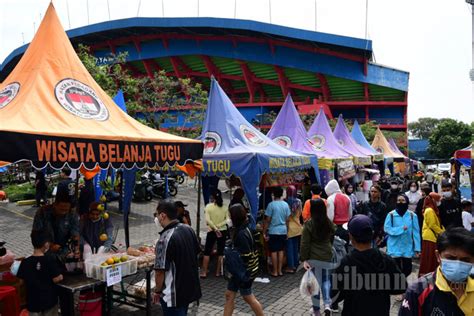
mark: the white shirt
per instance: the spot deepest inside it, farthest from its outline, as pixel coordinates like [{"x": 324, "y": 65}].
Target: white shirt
[{"x": 467, "y": 220}]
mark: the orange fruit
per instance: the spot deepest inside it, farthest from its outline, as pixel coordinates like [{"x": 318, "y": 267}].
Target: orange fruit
[
  {"x": 110, "y": 261},
  {"x": 103, "y": 237},
  {"x": 100, "y": 207}
]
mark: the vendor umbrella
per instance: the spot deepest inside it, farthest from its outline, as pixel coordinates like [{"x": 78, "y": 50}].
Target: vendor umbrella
[{"x": 54, "y": 113}]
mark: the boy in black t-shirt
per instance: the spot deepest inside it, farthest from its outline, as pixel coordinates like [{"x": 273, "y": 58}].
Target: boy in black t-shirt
[{"x": 40, "y": 274}]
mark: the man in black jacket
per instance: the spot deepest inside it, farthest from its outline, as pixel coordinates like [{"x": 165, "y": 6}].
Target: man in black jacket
[
  {"x": 390, "y": 196},
  {"x": 366, "y": 277},
  {"x": 450, "y": 210},
  {"x": 376, "y": 210}
]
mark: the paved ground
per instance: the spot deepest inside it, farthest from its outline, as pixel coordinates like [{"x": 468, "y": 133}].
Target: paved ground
[{"x": 279, "y": 297}]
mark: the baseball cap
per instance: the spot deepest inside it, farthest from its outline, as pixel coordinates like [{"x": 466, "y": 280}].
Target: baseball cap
[
  {"x": 179, "y": 204},
  {"x": 361, "y": 227}
]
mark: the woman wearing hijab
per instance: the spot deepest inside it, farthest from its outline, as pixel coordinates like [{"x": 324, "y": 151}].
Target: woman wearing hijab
[
  {"x": 349, "y": 191},
  {"x": 294, "y": 230},
  {"x": 403, "y": 243},
  {"x": 432, "y": 228}
]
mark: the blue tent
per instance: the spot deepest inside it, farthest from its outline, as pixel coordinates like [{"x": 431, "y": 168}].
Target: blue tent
[
  {"x": 232, "y": 146},
  {"x": 360, "y": 139}
]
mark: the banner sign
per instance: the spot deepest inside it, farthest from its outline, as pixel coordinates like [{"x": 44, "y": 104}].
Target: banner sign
[
  {"x": 345, "y": 169},
  {"x": 59, "y": 151},
  {"x": 283, "y": 179}
]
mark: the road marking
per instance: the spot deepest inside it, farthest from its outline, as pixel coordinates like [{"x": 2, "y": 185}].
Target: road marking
[
  {"x": 121, "y": 215},
  {"x": 17, "y": 213}
]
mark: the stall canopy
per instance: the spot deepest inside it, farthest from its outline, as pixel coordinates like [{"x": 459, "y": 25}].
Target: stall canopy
[
  {"x": 54, "y": 113},
  {"x": 464, "y": 156},
  {"x": 323, "y": 140},
  {"x": 288, "y": 129},
  {"x": 381, "y": 145},
  {"x": 395, "y": 148},
  {"x": 341, "y": 133},
  {"x": 360, "y": 139},
  {"x": 234, "y": 147}
]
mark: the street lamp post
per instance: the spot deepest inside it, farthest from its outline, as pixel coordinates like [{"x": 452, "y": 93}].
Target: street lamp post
[{"x": 471, "y": 73}]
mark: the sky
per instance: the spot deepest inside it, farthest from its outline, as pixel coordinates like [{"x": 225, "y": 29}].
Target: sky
[{"x": 430, "y": 39}]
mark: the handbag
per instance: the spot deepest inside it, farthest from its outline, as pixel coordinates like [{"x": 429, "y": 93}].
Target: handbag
[{"x": 234, "y": 264}]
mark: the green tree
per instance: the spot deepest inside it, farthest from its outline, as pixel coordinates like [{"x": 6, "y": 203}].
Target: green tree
[
  {"x": 423, "y": 128},
  {"x": 150, "y": 100},
  {"x": 449, "y": 136}
]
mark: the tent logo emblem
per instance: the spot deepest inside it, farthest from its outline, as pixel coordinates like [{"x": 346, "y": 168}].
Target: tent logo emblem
[
  {"x": 283, "y": 141},
  {"x": 379, "y": 149},
  {"x": 80, "y": 100},
  {"x": 212, "y": 142},
  {"x": 8, "y": 93},
  {"x": 252, "y": 137},
  {"x": 318, "y": 141}
]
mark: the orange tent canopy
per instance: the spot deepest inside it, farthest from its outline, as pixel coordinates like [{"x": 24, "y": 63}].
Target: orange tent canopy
[
  {"x": 381, "y": 145},
  {"x": 53, "y": 112}
]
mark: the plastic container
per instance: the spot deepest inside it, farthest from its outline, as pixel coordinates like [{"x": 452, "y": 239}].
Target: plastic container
[{"x": 95, "y": 270}]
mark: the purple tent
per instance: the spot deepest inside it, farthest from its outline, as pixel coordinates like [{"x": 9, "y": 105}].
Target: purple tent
[
  {"x": 326, "y": 146},
  {"x": 323, "y": 140},
  {"x": 341, "y": 133},
  {"x": 394, "y": 147},
  {"x": 288, "y": 130}
]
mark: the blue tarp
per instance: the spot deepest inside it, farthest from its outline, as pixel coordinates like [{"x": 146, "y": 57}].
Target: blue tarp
[{"x": 233, "y": 146}]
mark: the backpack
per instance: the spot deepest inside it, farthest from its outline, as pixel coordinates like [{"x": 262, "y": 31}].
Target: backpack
[{"x": 338, "y": 250}]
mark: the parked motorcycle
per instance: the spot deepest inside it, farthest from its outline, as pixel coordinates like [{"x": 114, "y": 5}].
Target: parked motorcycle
[
  {"x": 143, "y": 189},
  {"x": 159, "y": 188}
]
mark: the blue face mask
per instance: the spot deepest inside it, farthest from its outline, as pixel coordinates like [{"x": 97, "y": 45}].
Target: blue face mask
[{"x": 455, "y": 271}]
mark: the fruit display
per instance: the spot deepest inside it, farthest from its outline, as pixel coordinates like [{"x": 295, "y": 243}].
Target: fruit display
[
  {"x": 98, "y": 264},
  {"x": 105, "y": 215},
  {"x": 103, "y": 237}
]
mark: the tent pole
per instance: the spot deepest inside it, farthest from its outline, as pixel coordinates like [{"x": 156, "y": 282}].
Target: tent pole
[
  {"x": 76, "y": 191},
  {"x": 198, "y": 211}
]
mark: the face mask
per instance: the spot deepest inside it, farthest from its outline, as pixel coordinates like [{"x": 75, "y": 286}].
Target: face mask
[
  {"x": 402, "y": 207},
  {"x": 349, "y": 191},
  {"x": 438, "y": 203},
  {"x": 394, "y": 186},
  {"x": 447, "y": 194},
  {"x": 413, "y": 189},
  {"x": 229, "y": 222},
  {"x": 455, "y": 271},
  {"x": 157, "y": 222}
]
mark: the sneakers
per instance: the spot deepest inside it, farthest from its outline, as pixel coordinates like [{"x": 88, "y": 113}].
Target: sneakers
[
  {"x": 327, "y": 311},
  {"x": 335, "y": 308}
]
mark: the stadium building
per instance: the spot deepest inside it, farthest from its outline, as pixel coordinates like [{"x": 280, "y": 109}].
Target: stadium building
[{"x": 257, "y": 64}]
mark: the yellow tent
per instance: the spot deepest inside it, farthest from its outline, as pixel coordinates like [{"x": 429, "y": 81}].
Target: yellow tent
[{"x": 381, "y": 145}]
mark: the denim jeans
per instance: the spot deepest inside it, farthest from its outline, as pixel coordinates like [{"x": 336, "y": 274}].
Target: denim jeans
[
  {"x": 173, "y": 311},
  {"x": 324, "y": 280},
  {"x": 292, "y": 252}
]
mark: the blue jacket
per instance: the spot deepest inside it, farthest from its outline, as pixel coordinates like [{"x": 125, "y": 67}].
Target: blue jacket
[{"x": 400, "y": 242}]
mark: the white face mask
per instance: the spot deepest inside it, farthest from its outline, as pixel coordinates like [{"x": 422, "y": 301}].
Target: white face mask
[
  {"x": 157, "y": 223},
  {"x": 413, "y": 189},
  {"x": 438, "y": 203},
  {"x": 447, "y": 194},
  {"x": 394, "y": 186}
]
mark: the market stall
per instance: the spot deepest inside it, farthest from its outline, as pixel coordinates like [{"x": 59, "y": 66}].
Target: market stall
[
  {"x": 393, "y": 161},
  {"x": 334, "y": 161},
  {"x": 288, "y": 131},
  {"x": 463, "y": 165},
  {"x": 55, "y": 115},
  {"x": 234, "y": 147}
]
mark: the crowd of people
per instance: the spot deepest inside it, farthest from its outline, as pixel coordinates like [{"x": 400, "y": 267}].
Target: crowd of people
[{"x": 402, "y": 221}]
